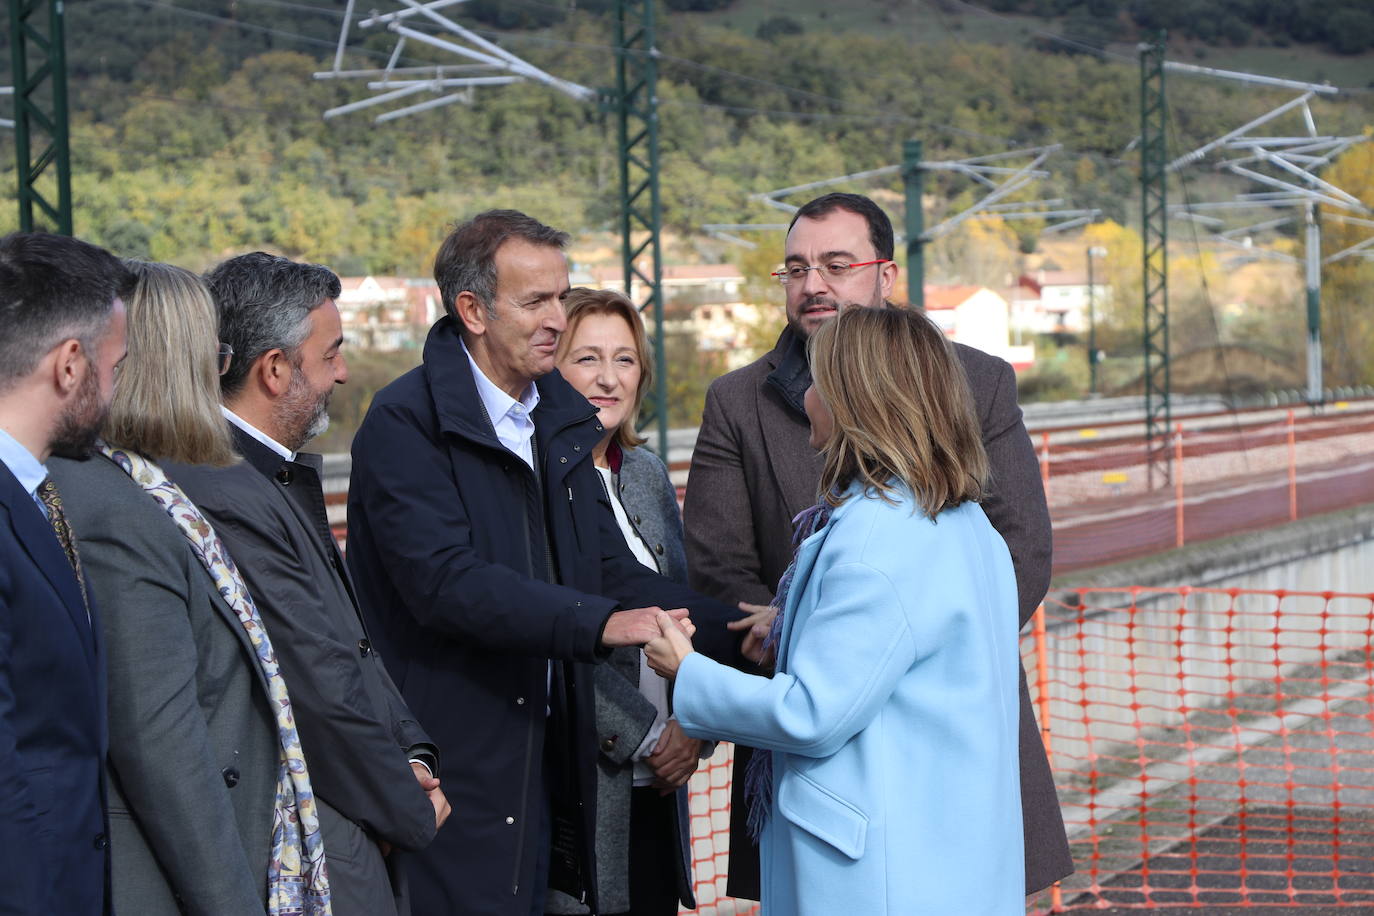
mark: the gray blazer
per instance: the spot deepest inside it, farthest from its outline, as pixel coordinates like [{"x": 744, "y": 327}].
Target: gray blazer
[
  {"x": 623, "y": 715},
  {"x": 754, "y": 469},
  {"x": 354, "y": 726},
  {"x": 193, "y": 743}
]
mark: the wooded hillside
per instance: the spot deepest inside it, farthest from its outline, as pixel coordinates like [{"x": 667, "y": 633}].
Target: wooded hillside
[{"x": 197, "y": 128}]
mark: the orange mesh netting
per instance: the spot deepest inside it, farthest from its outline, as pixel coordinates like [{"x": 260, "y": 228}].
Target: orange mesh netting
[{"x": 1212, "y": 747}]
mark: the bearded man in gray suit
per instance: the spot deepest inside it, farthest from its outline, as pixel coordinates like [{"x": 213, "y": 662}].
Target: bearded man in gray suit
[
  {"x": 753, "y": 470},
  {"x": 373, "y": 768}
]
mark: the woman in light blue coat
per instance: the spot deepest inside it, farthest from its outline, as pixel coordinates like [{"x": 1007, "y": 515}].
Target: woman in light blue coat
[{"x": 891, "y": 781}]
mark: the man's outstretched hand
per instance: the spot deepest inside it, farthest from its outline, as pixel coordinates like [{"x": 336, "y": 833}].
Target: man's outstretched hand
[
  {"x": 637, "y": 626},
  {"x": 756, "y": 625}
]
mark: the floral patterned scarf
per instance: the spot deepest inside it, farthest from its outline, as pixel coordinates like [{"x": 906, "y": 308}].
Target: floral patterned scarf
[
  {"x": 297, "y": 878},
  {"x": 758, "y": 774}
]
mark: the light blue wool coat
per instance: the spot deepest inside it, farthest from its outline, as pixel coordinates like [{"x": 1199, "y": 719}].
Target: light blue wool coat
[{"x": 894, "y": 714}]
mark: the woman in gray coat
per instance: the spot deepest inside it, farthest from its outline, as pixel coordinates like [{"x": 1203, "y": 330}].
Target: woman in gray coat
[
  {"x": 210, "y": 807},
  {"x": 643, "y": 863}
]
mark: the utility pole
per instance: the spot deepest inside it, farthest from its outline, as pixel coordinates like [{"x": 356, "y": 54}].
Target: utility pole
[
  {"x": 1286, "y": 167},
  {"x": 641, "y": 211},
  {"x": 1313, "y": 275},
  {"x": 913, "y": 178},
  {"x": 1155, "y": 233},
  {"x": 1094, "y": 252},
  {"x": 40, "y": 114},
  {"x": 634, "y": 103}
]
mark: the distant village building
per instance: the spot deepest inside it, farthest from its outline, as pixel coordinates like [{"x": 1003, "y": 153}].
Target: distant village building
[
  {"x": 387, "y": 313},
  {"x": 977, "y": 317},
  {"x": 701, "y": 299},
  {"x": 1054, "y": 302}
]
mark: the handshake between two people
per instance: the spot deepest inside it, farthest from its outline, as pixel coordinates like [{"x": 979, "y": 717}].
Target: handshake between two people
[{"x": 667, "y": 635}]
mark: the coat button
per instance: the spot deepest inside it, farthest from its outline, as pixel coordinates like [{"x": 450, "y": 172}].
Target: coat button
[
  {"x": 100, "y": 841},
  {"x": 609, "y": 744},
  {"x": 519, "y": 701},
  {"x": 284, "y": 476},
  {"x": 365, "y": 647},
  {"x": 659, "y": 550},
  {"x": 636, "y": 519},
  {"x": 577, "y": 448},
  {"x": 563, "y": 459},
  {"x": 231, "y": 776},
  {"x": 599, "y": 428},
  {"x": 510, "y": 820}
]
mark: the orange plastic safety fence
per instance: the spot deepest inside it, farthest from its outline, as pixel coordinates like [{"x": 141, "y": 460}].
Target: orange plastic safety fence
[
  {"x": 1212, "y": 748},
  {"x": 710, "y": 806}
]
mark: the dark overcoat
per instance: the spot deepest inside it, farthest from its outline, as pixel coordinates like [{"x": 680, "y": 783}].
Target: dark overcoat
[
  {"x": 754, "y": 469},
  {"x": 440, "y": 516},
  {"x": 54, "y": 853},
  {"x": 355, "y": 729}
]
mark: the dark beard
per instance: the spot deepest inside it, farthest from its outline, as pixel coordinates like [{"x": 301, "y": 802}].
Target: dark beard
[{"x": 81, "y": 422}]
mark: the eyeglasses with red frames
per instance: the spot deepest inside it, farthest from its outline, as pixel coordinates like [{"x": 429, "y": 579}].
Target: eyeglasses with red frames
[{"x": 836, "y": 270}]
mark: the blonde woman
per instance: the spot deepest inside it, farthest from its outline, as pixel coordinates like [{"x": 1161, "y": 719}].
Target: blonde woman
[
  {"x": 211, "y": 810},
  {"x": 887, "y": 779},
  {"x": 643, "y": 852}
]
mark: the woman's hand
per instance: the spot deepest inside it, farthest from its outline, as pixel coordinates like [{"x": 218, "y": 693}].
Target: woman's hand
[
  {"x": 756, "y": 626},
  {"x": 666, "y": 653}
]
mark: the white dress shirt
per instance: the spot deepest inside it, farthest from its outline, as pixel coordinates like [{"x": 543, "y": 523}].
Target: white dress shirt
[
  {"x": 257, "y": 434},
  {"x": 512, "y": 419}
]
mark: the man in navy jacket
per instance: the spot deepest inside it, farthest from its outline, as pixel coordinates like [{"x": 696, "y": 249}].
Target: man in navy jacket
[
  {"x": 482, "y": 546},
  {"x": 61, "y": 337}
]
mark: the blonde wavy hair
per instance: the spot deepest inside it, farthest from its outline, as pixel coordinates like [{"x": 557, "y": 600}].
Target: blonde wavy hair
[
  {"x": 166, "y": 402},
  {"x": 581, "y": 302},
  {"x": 902, "y": 410}
]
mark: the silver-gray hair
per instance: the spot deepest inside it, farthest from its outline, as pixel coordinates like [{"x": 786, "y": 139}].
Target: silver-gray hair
[{"x": 264, "y": 302}]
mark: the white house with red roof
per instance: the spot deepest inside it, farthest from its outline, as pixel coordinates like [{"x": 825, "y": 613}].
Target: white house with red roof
[
  {"x": 977, "y": 317},
  {"x": 703, "y": 299},
  {"x": 1055, "y": 301},
  {"x": 387, "y": 313}
]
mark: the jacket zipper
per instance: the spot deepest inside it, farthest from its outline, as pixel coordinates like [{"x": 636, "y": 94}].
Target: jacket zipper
[{"x": 524, "y": 805}]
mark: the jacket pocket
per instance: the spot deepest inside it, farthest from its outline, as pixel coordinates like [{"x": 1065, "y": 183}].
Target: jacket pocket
[
  {"x": 823, "y": 814},
  {"x": 343, "y": 839},
  {"x": 41, "y": 791}
]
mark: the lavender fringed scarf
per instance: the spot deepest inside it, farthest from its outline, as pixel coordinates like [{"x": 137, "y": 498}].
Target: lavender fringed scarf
[{"x": 758, "y": 775}]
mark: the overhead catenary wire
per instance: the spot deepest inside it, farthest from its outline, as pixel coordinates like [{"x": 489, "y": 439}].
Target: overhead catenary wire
[{"x": 871, "y": 116}]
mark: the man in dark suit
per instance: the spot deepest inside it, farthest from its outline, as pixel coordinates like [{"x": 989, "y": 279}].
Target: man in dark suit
[
  {"x": 374, "y": 770},
  {"x": 62, "y": 335},
  {"x": 753, "y": 470},
  {"x": 490, "y": 562}
]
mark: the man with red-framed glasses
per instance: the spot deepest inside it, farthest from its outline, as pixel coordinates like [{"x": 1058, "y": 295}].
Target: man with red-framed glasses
[{"x": 753, "y": 470}]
